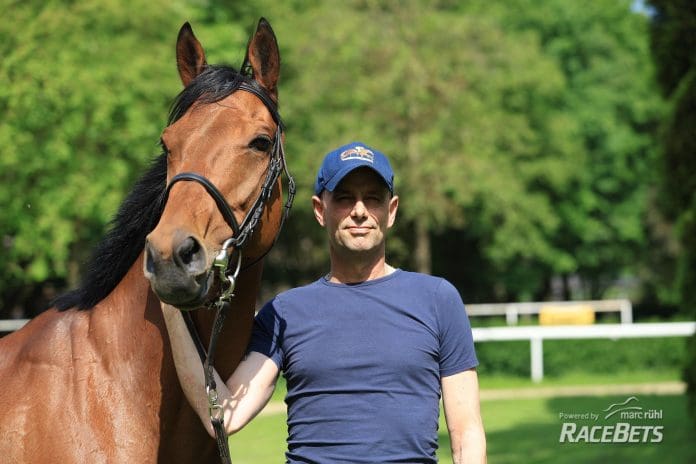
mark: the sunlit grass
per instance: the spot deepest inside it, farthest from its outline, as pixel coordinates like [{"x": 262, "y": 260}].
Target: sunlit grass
[
  {"x": 581, "y": 378},
  {"x": 521, "y": 431}
]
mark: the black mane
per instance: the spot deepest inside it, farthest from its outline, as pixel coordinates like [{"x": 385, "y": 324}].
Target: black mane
[
  {"x": 213, "y": 84},
  {"x": 140, "y": 211}
]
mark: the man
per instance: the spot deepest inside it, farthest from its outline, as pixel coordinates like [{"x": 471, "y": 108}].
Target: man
[{"x": 366, "y": 350}]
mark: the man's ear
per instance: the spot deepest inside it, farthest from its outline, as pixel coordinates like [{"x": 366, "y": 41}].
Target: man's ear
[
  {"x": 318, "y": 207},
  {"x": 393, "y": 208}
]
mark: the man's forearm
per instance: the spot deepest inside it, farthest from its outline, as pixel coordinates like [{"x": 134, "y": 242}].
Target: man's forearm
[
  {"x": 469, "y": 446},
  {"x": 189, "y": 368},
  {"x": 242, "y": 396},
  {"x": 460, "y": 396}
]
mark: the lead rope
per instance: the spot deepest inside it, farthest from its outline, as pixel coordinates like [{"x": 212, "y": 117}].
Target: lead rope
[
  {"x": 217, "y": 413},
  {"x": 222, "y": 305},
  {"x": 215, "y": 410},
  {"x": 217, "y": 418}
]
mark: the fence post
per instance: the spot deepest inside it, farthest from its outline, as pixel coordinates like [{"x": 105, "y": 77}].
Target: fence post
[
  {"x": 511, "y": 315},
  {"x": 626, "y": 312},
  {"x": 537, "y": 358}
]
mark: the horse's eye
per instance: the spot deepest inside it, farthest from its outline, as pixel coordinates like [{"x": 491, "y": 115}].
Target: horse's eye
[{"x": 261, "y": 143}]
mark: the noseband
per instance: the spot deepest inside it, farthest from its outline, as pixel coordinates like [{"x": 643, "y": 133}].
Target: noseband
[{"x": 240, "y": 236}]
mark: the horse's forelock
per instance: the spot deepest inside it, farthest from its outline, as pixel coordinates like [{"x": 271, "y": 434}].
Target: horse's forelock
[{"x": 213, "y": 84}]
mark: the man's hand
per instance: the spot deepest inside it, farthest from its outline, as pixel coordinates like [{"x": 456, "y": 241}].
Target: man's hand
[{"x": 242, "y": 396}]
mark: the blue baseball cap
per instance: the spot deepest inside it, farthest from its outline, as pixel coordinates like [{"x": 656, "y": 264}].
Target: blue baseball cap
[{"x": 339, "y": 163}]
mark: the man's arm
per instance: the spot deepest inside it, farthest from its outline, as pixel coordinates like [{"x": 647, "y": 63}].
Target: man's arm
[
  {"x": 460, "y": 397},
  {"x": 242, "y": 396}
]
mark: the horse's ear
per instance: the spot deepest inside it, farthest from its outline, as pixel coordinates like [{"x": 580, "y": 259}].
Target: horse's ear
[
  {"x": 264, "y": 58},
  {"x": 190, "y": 57}
]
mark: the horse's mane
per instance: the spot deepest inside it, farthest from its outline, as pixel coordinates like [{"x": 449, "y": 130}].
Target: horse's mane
[{"x": 142, "y": 208}]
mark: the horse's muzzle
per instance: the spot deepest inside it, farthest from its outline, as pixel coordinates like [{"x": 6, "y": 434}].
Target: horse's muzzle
[{"x": 180, "y": 276}]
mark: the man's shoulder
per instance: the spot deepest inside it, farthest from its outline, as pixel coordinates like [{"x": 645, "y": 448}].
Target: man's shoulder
[
  {"x": 299, "y": 293},
  {"x": 438, "y": 289},
  {"x": 427, "y": 280},
  {"x": 277, "y": 307}
]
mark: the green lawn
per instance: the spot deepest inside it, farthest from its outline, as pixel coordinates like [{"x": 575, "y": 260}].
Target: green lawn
[
  {"x": 527, "y": 431},
  {"x": 522, "y": 431},
  {"x": 260, "y": 442},
  {"x": 571, "y": 378}
]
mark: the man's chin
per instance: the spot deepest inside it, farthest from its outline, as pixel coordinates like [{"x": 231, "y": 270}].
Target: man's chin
[{"x": 362, "y": 245}]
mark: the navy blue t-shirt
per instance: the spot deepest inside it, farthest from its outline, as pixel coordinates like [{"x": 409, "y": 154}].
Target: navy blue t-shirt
[{"x": 363, "y": 364}]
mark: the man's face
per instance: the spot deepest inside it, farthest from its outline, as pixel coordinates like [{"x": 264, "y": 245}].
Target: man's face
[{"x": 357, "y": 213}]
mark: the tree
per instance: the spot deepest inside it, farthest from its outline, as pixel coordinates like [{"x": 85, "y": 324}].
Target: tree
[
  {"x": 87, "y": 86},
  {"x": 523, "y": 131},
  {"x": 520, "y": 132},
  {"x": 427, "y": 85},
  {"x": 613, "y": 111},
  {"x": 672, "y": 43}
]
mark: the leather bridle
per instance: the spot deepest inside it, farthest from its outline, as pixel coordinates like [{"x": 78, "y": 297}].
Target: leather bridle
[{"x": 226, "y": 273}]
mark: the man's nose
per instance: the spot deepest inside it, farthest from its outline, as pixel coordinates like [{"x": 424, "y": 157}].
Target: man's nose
[{"x": 359, "y": 209}]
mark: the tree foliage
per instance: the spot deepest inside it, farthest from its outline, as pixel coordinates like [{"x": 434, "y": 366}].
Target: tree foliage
[
  {"x": 438, "y": 110},
  {"x": 85, "y": 95},
  {"x": 673, "y": 41},
  {"x": 598, "y": 134},
  {"x": 521, "y": 133},
  {"x": 524, "y": 131}
]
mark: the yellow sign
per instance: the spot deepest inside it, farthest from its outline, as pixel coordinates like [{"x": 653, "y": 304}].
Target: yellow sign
[{"x": 579, "y": 314}]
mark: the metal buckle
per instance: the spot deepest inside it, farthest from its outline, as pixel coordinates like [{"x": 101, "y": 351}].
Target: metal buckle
[
  {"x": 214, "y": 408},
  {"x": 222, "y": 261}
]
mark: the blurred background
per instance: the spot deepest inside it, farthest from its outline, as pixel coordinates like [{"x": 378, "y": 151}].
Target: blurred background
[{"x": 545, "y": 150}]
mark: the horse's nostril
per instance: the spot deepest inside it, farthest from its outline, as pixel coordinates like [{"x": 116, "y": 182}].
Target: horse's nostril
[
  {"x": 187, "y": 250},
  {"x": 149, "y": 260},
  {"x": 191, "y": 256}
]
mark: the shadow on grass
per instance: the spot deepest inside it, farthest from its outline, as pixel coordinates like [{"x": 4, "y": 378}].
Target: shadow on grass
[{"x": 534, "y": 438}]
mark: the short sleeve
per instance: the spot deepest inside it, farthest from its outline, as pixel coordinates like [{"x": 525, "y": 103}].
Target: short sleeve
[
  {"x": 457, "y": 351},
  {"x": 266, "y": 335}
]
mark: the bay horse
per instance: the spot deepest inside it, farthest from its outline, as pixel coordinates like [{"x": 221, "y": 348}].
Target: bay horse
[{"x": 92, "y": 379}]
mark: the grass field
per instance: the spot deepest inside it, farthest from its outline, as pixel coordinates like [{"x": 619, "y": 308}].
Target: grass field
[{"x": 522, "y": 431}]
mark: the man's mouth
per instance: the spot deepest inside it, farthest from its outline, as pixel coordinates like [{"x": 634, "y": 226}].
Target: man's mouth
[{"x": 359, "y": 229}]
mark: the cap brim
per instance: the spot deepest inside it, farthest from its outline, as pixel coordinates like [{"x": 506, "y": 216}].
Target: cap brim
[{"x": 343, "y": 172}]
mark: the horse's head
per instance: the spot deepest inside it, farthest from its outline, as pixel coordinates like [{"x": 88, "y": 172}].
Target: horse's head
[{"x": 224, "y": 159}]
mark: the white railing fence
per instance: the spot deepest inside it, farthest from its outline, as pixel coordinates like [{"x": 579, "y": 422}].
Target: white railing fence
[
  {"x": 512, "y": 311},
  {"x": 537, "y": 334},
  {"x": 10, "y": 325}
]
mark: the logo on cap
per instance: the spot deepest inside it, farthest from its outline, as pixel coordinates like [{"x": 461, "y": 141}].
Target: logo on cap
[{"x": 358, "y": 153}]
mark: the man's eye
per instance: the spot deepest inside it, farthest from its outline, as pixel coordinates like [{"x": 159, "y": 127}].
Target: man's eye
[{"x": 261, "y": 143}]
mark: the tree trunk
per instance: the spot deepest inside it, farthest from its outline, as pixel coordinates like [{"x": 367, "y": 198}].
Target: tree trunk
[{"x": 421, "y": 253}]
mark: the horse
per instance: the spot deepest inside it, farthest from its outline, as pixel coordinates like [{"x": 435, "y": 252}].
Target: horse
[{"x": 92, "y": 379}]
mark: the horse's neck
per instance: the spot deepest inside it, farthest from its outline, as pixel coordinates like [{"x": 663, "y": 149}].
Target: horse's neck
[
  {"x": 128, "y": 322},
  {"x": 234, "y": 337}
]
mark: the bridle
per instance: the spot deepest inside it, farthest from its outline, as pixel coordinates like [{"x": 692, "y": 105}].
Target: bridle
[{"x": 221, "y": 265}]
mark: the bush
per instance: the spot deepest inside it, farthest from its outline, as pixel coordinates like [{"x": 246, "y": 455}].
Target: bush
[{"x": 591, "y": 356}]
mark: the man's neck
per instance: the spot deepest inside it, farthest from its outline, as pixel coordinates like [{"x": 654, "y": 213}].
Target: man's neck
[{"x": 351, "y": 273}]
